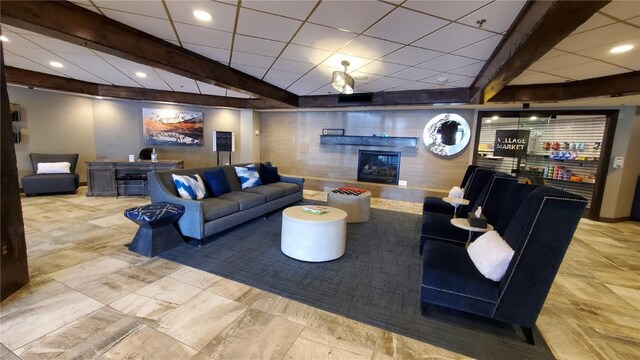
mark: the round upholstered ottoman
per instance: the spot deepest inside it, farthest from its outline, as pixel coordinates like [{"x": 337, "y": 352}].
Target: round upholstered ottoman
[
  {"x": 355, "y": 202},
  {"x": 157, "y": 232},
  {"x": 313, "y": 237}
]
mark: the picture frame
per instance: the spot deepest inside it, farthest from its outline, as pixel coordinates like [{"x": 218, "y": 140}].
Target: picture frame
[{"x": 338, "y": 132}]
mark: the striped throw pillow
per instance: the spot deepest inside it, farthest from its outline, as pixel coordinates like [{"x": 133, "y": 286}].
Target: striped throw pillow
[{"x": 190, "y": 187}]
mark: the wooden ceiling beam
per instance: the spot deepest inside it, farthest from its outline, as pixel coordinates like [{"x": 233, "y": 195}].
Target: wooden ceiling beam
[
  {"x": 59, "y": 83},
  {"x": 72, "y": 23},
  {"x": 613, "y": 85},
  {"x": 537, "y": 29},
  {"x": 409, "y": 97}
]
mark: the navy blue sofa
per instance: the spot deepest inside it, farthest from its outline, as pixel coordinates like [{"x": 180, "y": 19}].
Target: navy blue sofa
[{"x": 539, "y": 233}]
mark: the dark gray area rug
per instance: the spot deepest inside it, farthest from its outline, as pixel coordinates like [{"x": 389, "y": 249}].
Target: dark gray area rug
[{"x": 376, "y": 282}]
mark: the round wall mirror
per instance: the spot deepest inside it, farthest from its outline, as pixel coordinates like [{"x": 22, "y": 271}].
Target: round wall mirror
[{"x": 446, "y": 134}]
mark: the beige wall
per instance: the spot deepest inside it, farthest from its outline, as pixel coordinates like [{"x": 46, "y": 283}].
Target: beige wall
[
  {"x": 53, "y": 123},
  {"x": 291, "y": 140},
  {"x": 621, "y": 183}
]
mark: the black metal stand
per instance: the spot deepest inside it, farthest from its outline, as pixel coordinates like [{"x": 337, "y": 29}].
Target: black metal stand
[{"x": 218, "y": 157}]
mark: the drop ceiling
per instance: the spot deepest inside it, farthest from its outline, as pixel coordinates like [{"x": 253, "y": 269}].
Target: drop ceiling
[{"x": 296, "y": 45}]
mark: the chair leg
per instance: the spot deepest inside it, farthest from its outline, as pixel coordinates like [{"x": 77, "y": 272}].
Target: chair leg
[
  {"x": 528, "y": 334},
  {"x": 425, "y": 309}
]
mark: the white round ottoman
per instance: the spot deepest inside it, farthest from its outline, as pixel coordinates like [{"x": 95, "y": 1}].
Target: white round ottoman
[
  {"x": 356, "y": 204},
  {"x": 311, "y": 237}
]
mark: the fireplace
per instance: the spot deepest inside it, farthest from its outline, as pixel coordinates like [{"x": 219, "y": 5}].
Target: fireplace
[{"x": 379, "y": 166}]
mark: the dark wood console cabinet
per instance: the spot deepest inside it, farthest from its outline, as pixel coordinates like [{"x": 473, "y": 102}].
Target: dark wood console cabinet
[{"x": 121, "y": 178}]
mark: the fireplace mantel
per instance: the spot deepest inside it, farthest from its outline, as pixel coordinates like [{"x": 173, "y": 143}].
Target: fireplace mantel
[{"x": 390, "y": 141}]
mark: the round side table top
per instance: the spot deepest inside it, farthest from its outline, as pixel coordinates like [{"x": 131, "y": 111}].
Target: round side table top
[
  {"x": 455, "y": 201},
  {"x": 297, "y": 213},
  {"x": 463, "y": 223}
]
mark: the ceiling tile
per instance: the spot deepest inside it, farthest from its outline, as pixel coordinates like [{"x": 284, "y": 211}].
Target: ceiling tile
[
  {"x": 461, "y": 83},
  {"x": 209, "y": 89},
  {"x": 450, "y": 78},
  {"x": 22, "y": 40},
  {"x": 551, "y": 54},
  {"x": 256, "y": 72},
  {"x": 444, "y": 8},
  {"x": 559, "y": 62},
  {"x": 635, "y": 21},
  {"x": 213, "y": 53},
  {"x": 364, "y": 78},
  {"x": 281, "y": 83},
  {"x": 266, "y": 26},
  {"x": 240, "y": 58},
  {"x": 414, "y": 74},
  {"x": 99, "y": 67},
  {"x": 282, "y": 75},
  {"x": 602, "y": 36},
  {"x": 302, "y": 88},
  {"x": 15, "y": 60},
  {"x": 499, "y": 15},
  {"x": 305, "y": 54},
  {"x": 129, "y": 68},
  {"x": 387, "y": 83},
  {"x": 292, "y": 66},
  {"x": 415, "y": 85},
  {"x": 381, "y": 68},
  {"x": 203, "y": 36},
  {"x": 312, "y": 81},
  {"x": 452, "y": 37},
  {"x": 595, "y": 21},
  {"x": 622, "y": 9},
  {"x": 177, "y": 82},
  {"x": 335, "y": 62},
  {"x": 56, "y": 46},
  {"x": 630, "y": 59},
  {"x": 257, "y": 46},
  {"x": 327, "y": 90},
  {"x": 224, "y": 15},
  {"x": 469, "y": 70},
  {"x": 481, "y": 50},
  {"x": 157, "y": 27},
  {"x": 410, "y": 55},
  {"x": 340, "y": 14},
  {"x": 447, "y": 62},
  {"x": 86, "y": 4},
  {"x": 588, "y": 70},
  {"x": 295, "y": 9},
  {"x": 148, "y": 8},
  {"x": 532, "y": 77},
  {"x": 236, "y": 94},
  {"x": 405, "y": 26},
  {"x": 370, "y": 48},
  {"x": 321, "y": 37}
]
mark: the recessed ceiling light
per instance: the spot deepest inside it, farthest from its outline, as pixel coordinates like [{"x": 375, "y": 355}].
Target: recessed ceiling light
[
  {"x": 4, "y": 38},
  {"x": 495, "y": 117},
  {"x": 202, "y": 15},
  {"x": 621, "y": 49},
  {"x": 56, "y": 64},
  {"x": 442, "y": 80},
  {"x": 99, "y": 97},
  {"x": 533, "y": 118},
  {"x": 140, "y": 74}
]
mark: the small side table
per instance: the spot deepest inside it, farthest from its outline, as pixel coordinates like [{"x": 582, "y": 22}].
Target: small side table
[
  {"x": 455, "y": 202},
  {"x": 463, "y": 223},
  {"x": 157, "y": 233},
  {"x": 355, "y": 202}
]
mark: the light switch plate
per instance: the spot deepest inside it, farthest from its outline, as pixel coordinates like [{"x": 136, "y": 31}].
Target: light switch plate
[{"x": 402, "y": 183}]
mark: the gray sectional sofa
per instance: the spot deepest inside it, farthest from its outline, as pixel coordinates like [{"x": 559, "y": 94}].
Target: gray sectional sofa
[{"x": 206, "y": 217}]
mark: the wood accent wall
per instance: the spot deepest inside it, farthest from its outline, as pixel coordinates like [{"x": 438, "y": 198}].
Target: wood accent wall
[{"x": 291, "y": 141}]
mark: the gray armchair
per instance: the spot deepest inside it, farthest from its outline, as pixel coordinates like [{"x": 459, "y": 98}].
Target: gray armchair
[{"x": 35, "y": 184}]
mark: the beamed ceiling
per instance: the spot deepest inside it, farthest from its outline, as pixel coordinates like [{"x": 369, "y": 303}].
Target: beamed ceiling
[{"x": 281, "y": 54}]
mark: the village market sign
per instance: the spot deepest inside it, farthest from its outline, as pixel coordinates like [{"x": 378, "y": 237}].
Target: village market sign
[{"x": 511, "y": 143}]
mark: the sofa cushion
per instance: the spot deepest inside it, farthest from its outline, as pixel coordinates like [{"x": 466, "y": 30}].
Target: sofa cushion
[
  {"x": 269, "y": 174},
  {"x": 268, "y": 191},
  {"x": 216, "y": 182},
  {"x": 245, "y": 200},
  {"x": 290, "y": 188},
  {"x": 213, "y": 208},
  {"x": 248, "y": 176}
]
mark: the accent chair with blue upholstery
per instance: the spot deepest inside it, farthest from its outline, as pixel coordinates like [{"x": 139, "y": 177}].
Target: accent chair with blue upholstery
[
  {"x": 495, "y": 193},
  {"x": 539, "y": 233},
  {"x": 36, "y": 184}
]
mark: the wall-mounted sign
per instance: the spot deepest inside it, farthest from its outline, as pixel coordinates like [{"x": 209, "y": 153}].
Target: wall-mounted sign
[{"x": 511, "y": 143}]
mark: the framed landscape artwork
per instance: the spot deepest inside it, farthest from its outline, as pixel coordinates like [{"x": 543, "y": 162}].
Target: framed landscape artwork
[{"x": 172, "y": 127}]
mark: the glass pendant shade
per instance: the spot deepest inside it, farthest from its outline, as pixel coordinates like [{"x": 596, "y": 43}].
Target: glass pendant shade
[{"x": 342, "y": 81}]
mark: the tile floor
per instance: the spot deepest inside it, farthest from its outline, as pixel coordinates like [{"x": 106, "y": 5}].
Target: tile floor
[{"x": 89, "y": 297}]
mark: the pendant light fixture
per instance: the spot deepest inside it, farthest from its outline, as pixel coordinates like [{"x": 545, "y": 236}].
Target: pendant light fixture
[{"x": 342, "y": 81}]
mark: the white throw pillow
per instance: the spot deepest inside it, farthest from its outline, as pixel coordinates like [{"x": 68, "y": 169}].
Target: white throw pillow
[
  {"x": 54, "y": 168},
  {"x": 491, "y": 255},
  {"x": 456, "y": 192},
  {"x": 189, "y": 187}
]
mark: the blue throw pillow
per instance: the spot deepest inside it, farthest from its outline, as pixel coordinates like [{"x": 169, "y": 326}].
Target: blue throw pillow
[
  {"x": 248, "y": 176},
  {"x": 269, "y": 174},
  {"x": 189, "y": 187},
  {"x": 216, "y": 182}
]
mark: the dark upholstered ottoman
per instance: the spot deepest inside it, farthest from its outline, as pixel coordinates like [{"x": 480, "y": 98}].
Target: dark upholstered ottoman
[{"x": 157, "y": 232}]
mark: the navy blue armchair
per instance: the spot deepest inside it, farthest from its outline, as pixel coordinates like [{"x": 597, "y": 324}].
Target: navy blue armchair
[
  {"x": 539, "y": 233},
  {"x": 437, "y": 205}
]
